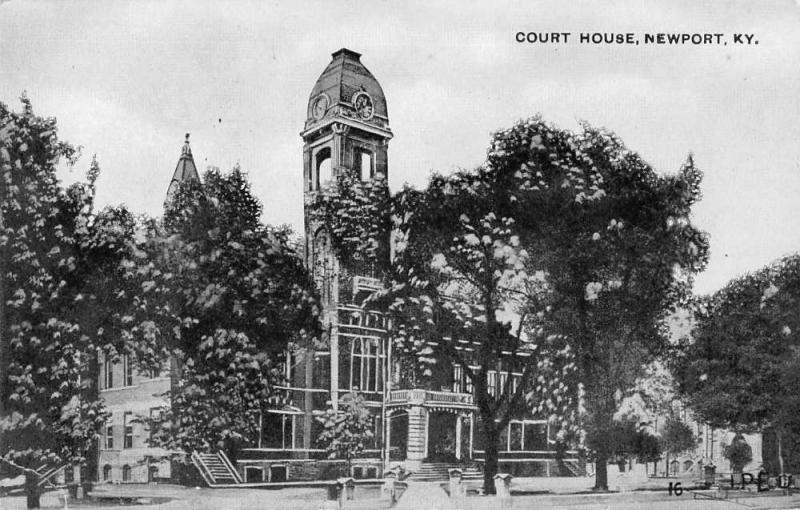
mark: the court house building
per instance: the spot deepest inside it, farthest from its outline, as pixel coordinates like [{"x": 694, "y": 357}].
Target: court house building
[{"x": 424, "y": 428}]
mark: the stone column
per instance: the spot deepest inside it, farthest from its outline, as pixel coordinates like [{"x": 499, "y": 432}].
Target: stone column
[
  {"x": 338, "y": 159},
  {"x": 415, "y": 447},
  {"x": 458, "y": 436},
  {"x": 471, "y": 434},
  {"x": 388, "y": 440}
]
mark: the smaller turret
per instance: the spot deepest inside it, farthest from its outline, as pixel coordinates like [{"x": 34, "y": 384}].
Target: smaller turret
[{"x": 184, "y": 171}]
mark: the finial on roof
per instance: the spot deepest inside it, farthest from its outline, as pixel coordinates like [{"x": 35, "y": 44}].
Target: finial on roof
[
  {"x": 186, "y": 151},
  {"x": 347, "y": 53}
]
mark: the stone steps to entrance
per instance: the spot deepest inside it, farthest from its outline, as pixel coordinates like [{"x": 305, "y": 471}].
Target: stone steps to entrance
[
  {"x": 439, "y": 472},
  {"x": 215, "y": 469}
]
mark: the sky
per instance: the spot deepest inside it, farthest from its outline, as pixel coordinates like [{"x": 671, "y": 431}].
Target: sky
[{"x": 127, "y": 80}]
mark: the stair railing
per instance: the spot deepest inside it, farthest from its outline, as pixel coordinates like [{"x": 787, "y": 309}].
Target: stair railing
[
  {"x": 225, "y": 460},
  {"x": 204, "y": 471}
]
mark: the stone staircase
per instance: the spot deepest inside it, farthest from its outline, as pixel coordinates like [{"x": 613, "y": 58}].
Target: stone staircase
[
  {"x": 438, "y": 472},
  {"x": 575, "y": 468},
  {"x": 216, "y": 469}
]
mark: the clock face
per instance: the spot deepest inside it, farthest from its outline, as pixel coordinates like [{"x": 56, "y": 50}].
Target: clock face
[
  {"x": 319, "y": 107},
  {"x": 363, "y": 105}
]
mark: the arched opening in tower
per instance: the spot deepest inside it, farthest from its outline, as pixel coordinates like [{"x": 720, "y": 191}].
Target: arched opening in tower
[{"x": 324, "y": 168}]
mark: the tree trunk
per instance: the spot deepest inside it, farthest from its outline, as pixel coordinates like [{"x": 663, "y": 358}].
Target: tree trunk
[
  {"x": 4, "y": 341},
  {"x": 666, "y": 465},
  {"x": 32, "y": 489},
  {"x": 232, "y": 450},
  {"x": 601, "y": 473},
  {"x": 491, "y": 438},
  {"x": 603, "y": 423},
  {"x": 93, "y": 395},
  {"x": 779, "y": 440}
]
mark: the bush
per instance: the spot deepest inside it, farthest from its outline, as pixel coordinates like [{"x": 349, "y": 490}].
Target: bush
[{"x": 738, "y": 453}]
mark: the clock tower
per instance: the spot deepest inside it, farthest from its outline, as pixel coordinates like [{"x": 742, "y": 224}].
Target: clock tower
[{"x": 346, "y": 132}]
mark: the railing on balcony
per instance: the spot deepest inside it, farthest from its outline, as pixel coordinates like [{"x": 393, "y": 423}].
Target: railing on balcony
[
  {"x": 430, "y": 398},
  {"x": 366, "y": 284}
]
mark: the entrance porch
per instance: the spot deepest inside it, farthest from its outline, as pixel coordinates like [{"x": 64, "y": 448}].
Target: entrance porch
[{"x": 424, "y": 425}]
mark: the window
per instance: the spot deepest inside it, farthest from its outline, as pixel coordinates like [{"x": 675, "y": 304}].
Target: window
[
  {"x": 501, "y": 388},
  {"x": 155, "y": 421},
  {"x": 324, "y": 169},
  {"x": 364, "y": 164},
  {"x": 516, "y": 380},
  {"x": 365, "y": 365},
  {"x": 126, "y": 473},
  {"x": 277, "y": 430},
  {"x": 107, "y": 472},
  {"x": 109, "y": 436},
  {"x": 253, "y": 474},
  {"x": 491, "y": 383},
  {"x": 127, "y": 371},
  {"x": 458, "y": 378},
  {"x": 461, "y": 380},
  {"x": 108, "y": 374},
  {"x": 127, "y": 423},
  {"x": 525, "y": 435},
  {"x": 468, "y": 382},
  {"x": 503, "y": 446},
  {"x": 516, "y": 436},
  {"x": 535, "y": 436},
  {"x": 321, "y": 371}
]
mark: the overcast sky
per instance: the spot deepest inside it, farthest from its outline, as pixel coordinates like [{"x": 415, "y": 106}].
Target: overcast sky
[{"x": 126, "y": 80}]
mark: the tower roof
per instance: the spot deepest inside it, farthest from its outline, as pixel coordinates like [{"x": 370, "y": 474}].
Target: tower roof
[
  {"x": 336, "y": 94},
  {"x": 185, "y": 170}
]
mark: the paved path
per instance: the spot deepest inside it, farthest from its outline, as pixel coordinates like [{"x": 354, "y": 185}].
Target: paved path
[
  {"x": 418, "y": 496},
  {"x": 424, "y": 496}
]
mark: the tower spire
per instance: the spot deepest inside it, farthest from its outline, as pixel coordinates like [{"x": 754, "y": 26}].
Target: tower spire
[{"x": 184, "y": 171}]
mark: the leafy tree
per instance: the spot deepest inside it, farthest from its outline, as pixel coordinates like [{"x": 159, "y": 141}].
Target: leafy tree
[
  {"x": 648, "y": 447},
  {"x": 614, "y": 242},
  {"x": 602, "y": 243},
  {"x": 346, "y": 430},
  {"x": 459, "y": 280},
  {"x": 738, "y": 453},
  {"x": 740, "y": 371},
  {"x": 221, "y": 394},
  {"x": 356, "y": 213},
  {"x": 628, "y": 440},
  {"x": 564, "y": 249},
  {"x": 676, "y": 437},
  {"x": 59, "y": 259},
  {"x": 235, "y": 296}
]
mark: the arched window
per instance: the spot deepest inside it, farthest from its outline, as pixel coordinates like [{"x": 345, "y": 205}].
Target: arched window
[
  {"x": 126, "y": 473},
  {"x": 323, "y": 167},
  {"x": 364, "y": 164},
  {"x": 107, "y": 472}
]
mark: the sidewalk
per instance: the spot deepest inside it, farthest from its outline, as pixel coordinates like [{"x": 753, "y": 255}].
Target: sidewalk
[
  {"x": 547, "y": 493},
  {"x": 424, "y": 496}
]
